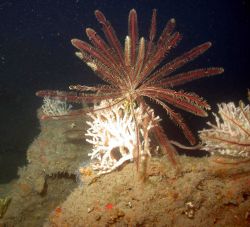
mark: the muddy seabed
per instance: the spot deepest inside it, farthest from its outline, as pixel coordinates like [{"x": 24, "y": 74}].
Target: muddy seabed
[{"x": 202, "y": 192}]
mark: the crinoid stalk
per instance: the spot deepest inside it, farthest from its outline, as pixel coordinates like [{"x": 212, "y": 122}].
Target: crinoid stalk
[{"x": 136, "y": 74}]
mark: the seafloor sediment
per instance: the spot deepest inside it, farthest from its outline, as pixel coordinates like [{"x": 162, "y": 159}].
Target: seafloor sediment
[{"x": 202, "y": 192}]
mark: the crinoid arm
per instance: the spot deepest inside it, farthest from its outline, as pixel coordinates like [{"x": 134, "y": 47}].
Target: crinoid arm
[
  {"x": 165, "y": 145},
  {"x": 160, "y": 53},
  {"x": 189, "y": 102},
  {"x": 178, "y": 62},
  {"x": 178, "y": 120},
  {"x": 152, "y": 34},
  {"x": 133, "y": 33},
  {"x": 104, "y": 66},
  {"x": 185, "y": 77},
  {"x": 110, "y": 34},
  {"x": 76, "y": 97}
]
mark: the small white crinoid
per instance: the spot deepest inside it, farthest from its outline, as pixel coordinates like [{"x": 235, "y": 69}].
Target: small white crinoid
[
  {"x": 112, "y": 132},
  {"x": 230, "y": 136}
]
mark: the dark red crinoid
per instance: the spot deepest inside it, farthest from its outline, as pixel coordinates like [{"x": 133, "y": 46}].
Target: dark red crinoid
[{"x": 132, "y": 72}]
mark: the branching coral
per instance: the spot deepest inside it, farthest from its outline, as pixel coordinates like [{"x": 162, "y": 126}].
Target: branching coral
[
  {"x": 113, "y": 135},
  {"x": 55, "y": 107},
  {"x": 231, "y": 136}
]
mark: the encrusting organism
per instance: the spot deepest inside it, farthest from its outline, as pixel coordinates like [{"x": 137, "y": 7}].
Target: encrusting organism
[{"x": 136, "y": 74}]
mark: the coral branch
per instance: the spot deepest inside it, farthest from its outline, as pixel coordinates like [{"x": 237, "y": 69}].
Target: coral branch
[
  {"x": 54, "y": 107},
  {"x": 113, "y": 135},
  {"x": 230, "y": 137}
]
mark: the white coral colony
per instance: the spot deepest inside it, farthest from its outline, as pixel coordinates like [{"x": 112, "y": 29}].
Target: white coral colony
[
  {"x": 231, "y": 136},
  {"x": 113, "y": 135},
  {"x": 55, "y": 107}
]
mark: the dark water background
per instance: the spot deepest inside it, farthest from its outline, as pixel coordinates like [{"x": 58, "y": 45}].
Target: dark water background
[{"x": 36, "y": 53}]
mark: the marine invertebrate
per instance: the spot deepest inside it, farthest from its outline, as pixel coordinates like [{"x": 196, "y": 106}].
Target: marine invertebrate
[
  {"x": 136, "y": 74},
  {"x": 230, "y": 136},
  {"x": 55, "y": 107},
  {"x": 113, "y": 135}
]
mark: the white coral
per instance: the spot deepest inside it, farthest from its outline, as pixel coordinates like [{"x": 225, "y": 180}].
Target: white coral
[
  {"x": 231, "y": 136},
  {"x": 55, "y": 107},
  {"x": 113, "y": 135}
]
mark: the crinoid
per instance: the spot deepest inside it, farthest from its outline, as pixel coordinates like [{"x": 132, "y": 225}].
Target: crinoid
[{"x": 136, "y": 74}]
